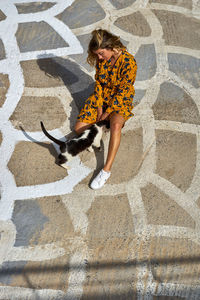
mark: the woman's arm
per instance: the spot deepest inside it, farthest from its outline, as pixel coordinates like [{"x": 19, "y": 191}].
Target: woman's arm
[
  {"x": 98, "y": 88},
  {"x": 128, "y": 75}
]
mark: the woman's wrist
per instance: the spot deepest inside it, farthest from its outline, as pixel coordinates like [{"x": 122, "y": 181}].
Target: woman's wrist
[{"x": 104, "y": 116}]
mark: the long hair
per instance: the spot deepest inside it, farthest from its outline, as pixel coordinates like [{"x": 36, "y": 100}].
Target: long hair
[{"x": 102, "y": 39}]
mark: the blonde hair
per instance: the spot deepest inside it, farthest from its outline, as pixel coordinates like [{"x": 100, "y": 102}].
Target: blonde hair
[{"x": 102, "y": 39}]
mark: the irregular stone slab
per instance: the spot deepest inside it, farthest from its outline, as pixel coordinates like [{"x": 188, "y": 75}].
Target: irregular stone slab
[
  {"x": 115, "y": 225},
  {"x": 174, "y": 104},
  {"x": 175, "y": 261},
  {"x": 26, "y": 8},
  {"x": 4, "y": 85},
  {"x": 183, "y": 3},
  {"x": 28, "y": 220},
  {"x": 7, "y": 241},
  {"x": 88, "y": 12},
  {"x": 131, "y": 148},
  {"x": 31, "y": 110},
  {"x": 2, "y": 50},
  {"x": 179, "y": 30},
  {"x": 59, "y": 227},
  {"x": 186, "y": 67},
  {"x": 9, "y": 270},
  {"x": 36, "y": 73},
  {"x": 139, "y": 94},
  {"x": 35, "y": 36},
  {"x": 135, "y": 24},
  {"x": 2, "y": 16},
  {"x": 121, "y": 3},
  {"x": 176, "y": 157},
  {"x": 146, "y": 61},
  {"x": 110, "y": 274},
  {"x": 49, "y": 274},
  {"x": 161, "y": 210},
  {"x": 112, "y": 282},
  {"x": 33, "y": 164}
]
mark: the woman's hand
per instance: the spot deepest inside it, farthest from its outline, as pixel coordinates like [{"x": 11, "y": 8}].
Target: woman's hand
[
  {"x": 99, "y": 113},
  {"x": 104, "y": 116}
]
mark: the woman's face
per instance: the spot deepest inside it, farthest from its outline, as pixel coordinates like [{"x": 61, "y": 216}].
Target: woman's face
[{"x": 104, "y": 54}]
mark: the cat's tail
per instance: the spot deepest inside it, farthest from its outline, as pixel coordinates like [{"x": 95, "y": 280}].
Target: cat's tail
[{"x": 60, "y": 143}]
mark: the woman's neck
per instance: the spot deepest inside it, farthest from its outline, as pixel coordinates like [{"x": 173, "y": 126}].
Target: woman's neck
[{"x": 115, "y": 57}]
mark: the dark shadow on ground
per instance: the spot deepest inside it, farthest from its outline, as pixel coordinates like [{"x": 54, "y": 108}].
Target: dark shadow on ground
[
  {"x": 50, "y": 146},
  {"x": 79, "y": 84},
  {"x": 126, "y": 279}
]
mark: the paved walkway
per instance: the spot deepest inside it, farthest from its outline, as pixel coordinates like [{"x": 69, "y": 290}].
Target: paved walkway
[{"x": 138, "y": 237}]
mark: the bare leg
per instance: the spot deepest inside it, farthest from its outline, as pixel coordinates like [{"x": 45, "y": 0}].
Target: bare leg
[
  {"x": 81, "y": 126},
  {"x": 116, "y": 124}
]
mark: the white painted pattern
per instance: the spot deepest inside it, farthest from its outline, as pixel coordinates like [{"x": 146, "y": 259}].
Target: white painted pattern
[{"x": 143, "y": 118}]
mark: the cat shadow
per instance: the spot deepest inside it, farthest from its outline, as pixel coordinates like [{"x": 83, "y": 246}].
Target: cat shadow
[{"x": 49, "y": 146}]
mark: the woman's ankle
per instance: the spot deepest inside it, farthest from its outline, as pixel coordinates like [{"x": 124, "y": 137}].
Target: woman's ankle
[{"x": 106, "y": 169}]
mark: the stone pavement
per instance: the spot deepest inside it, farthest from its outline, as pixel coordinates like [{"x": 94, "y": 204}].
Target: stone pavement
[{"x": 138, "y": 237}]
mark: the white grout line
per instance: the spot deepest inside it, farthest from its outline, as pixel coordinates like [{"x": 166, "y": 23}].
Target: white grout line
[{"x": 144, "y": 118}]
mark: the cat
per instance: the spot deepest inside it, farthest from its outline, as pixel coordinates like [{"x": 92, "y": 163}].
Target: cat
[{"x": 86, "y": 140}]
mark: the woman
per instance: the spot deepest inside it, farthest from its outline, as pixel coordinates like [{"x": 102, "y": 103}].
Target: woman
[{"x": 113, "y": 94}]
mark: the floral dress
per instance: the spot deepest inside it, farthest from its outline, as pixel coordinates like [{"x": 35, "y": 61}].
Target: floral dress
[{"x": 114, "y": 90}]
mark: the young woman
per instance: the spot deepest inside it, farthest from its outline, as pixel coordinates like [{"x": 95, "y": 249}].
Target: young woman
[{"x": 113, "y": 94}]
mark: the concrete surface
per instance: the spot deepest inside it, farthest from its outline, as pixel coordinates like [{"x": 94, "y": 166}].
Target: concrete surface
[{"x": 139, "y": 236}]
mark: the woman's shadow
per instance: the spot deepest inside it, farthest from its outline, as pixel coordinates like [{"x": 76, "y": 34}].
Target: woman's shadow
[{"x": 79, "y": 84}]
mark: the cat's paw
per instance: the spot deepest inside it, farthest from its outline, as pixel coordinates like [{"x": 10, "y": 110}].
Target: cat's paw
[
  {"x": 65, "y": 166},
  {"x": 90, "y": 149}
]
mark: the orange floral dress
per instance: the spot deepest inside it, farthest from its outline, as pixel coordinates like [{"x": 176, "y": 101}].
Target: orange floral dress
[{"x": 114, "y": 90}]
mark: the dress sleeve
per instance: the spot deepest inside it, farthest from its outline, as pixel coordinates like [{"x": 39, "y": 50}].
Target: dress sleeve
[
  {"x": 124, "y": 86},
  {"x": 98, "y": 88}
]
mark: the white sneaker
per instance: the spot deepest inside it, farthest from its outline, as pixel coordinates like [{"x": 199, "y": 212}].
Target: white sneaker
[{"x": 100, "y": 180}]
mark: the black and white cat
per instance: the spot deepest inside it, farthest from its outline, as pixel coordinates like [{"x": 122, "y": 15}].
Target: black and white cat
[{"x": 86, "y": 140}]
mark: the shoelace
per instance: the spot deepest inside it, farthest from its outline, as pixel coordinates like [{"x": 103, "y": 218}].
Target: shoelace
[{"x": 100, "y": 176}]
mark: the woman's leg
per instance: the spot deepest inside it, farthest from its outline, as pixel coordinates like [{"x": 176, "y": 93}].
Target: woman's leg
[
  {"x": 116, "y": 124},
  {"x": 81, "y": 126}
]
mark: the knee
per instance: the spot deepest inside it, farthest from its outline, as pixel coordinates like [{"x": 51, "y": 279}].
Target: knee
[{"x": 80, "y": 127}]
